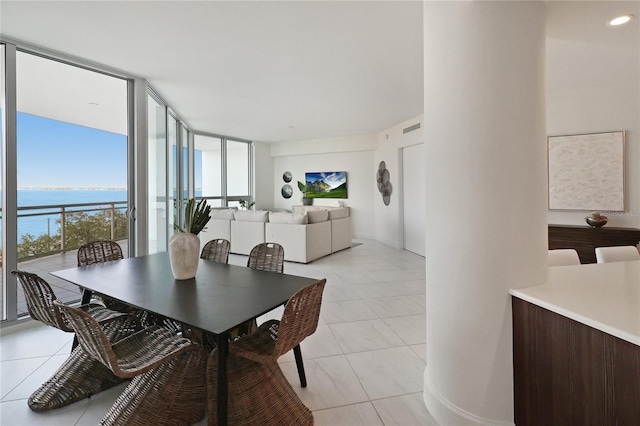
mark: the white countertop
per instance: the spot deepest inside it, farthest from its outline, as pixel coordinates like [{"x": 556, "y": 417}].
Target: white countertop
[{"x": 605, "y": 296}]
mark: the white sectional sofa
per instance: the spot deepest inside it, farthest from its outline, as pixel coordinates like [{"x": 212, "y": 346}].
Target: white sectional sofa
[
  {"x": 306, "y": 235},
  {"x": 219, "y": 225},
  {"x": 340, "y": 229},
  {"x": 247, "y": 230}
]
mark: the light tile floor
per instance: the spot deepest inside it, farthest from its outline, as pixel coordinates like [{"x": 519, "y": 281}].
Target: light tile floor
[{"x": 364, "y": 364}]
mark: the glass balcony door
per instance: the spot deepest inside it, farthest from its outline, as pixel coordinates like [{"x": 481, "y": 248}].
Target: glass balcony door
[
  {"x": 168, "y": 172},
  {"x": 65, "y": 178}
]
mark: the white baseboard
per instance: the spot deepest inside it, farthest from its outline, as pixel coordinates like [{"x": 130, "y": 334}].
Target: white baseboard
[{"x": 447, "y": 413}]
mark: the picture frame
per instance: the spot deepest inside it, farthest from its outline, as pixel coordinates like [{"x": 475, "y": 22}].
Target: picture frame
[
  {"x": 586, "y": 171},
  {"x": 326, "y": 184}
]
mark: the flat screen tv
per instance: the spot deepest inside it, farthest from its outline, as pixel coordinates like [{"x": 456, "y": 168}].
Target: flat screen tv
[{"x": 326, "y": 184}]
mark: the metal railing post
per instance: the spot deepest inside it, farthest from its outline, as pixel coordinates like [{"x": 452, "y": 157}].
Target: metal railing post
[
  {"x": 63, "y": 222},
  {"x": 113, "y": 221},
  {"x": 63, "y": 210}
]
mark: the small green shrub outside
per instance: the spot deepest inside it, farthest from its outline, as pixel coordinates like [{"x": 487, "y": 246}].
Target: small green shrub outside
[{"x": 80, "y": 228}]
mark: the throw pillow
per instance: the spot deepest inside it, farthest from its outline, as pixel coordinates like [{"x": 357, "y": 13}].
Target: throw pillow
[
  {"x": 252, "y": 215},
  {"x": 338, "y": 213},
  {"x": 316, "y": 216},
  {"x": 226, "y": 214},
  {"x": 293, "y": 218}
]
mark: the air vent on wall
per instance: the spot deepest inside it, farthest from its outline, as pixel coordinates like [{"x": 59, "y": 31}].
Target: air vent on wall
[{"x": 411, "y": 128}]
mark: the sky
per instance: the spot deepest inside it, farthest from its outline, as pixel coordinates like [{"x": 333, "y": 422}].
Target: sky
[{"x": 55, "y": 154}]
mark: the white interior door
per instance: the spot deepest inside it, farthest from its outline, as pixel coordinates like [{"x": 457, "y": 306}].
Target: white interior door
[{"x": 414, "y": 208}]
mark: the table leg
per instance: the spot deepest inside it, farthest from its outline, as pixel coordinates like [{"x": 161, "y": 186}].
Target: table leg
[
  {"x": 222, "y": 342},
  {"x": 86, "y": 298}
]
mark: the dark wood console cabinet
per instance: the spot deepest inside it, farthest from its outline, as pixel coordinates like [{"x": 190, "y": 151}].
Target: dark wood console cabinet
[
  {"x": 567, "y": 373},
  {"x": 585, "y": 239}
]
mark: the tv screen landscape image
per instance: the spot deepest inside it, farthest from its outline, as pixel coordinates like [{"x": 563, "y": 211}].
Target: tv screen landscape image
[{"x": 326, "y": 184}]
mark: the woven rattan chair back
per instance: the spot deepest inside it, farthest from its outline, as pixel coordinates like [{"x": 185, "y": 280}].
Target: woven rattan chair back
[
  {"x": 91, "y": 336},
  {"x": 129, "y": 357},
  {"x": 39, "y": 297},
  {"x": 167, "y": 372},
  {"x": 300, "y": 317},
  {"x": 267, "y": 257},
  {"x": 216, "y": 250},
  {"x": 99, "y": 251}
]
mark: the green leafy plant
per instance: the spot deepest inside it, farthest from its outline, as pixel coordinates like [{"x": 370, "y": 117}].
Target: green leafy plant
[
  {"x": 245, "y": 204},
  {"x": 196, "y": 216},
  {"x": 303, "y": 188}
]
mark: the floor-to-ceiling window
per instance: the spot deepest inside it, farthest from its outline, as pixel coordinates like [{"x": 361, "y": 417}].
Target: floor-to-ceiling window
[
  {"x": 238, "y": 171},
  {"x": 188, "y": 189},
  {"x": 222, "y": 169},
  {"x": 3, "y": 313},
  {"x": 66, "y": 178},
  {"x": 208, "y": 168},
  {"x": 73, "y": 156},
  {"x": 167, "y": 169},
  {"x": 174, "y": 173},
  {"x": 159, "y": 213},
  {"x": 71, "y": 161}
]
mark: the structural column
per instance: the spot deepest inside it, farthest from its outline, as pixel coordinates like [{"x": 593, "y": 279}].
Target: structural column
[{"x": 486, "y": 197}]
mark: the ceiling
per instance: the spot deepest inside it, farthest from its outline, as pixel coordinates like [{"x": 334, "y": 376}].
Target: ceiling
[{"x": 266, "y": 70}]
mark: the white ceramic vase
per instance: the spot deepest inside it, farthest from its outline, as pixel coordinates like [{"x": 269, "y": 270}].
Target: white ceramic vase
[{"x": 184, "y": 254}]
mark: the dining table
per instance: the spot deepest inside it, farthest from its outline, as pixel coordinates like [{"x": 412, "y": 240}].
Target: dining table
[{"x": 217, "y": 300}]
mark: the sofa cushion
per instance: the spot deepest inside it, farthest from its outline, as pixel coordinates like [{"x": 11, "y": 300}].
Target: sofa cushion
[
  {"x": 283, "y": 217},
  {"x": 316, "y": 216},
  {"x": 252, "y": 215},
  {"x": 226, "y": 214},
  {"x": 338, "y": 213}
]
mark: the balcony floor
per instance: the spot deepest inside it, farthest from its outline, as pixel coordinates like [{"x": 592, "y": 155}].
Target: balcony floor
[{"x": 64, "y": 291}]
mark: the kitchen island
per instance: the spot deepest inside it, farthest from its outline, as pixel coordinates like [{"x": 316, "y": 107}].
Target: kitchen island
[{"x": 576, "y": 347}]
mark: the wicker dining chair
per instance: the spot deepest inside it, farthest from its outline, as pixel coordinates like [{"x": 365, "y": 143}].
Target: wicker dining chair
[
  {"x": 40, "y": 303},
  {"x": 216, "y": 250},
  {"x": 258, "y": 395},
  {"x": 99, "y": 251},
  {"x": 274, "y": 338},
  {"x": 167, "y": 372},
  {"x": 78, "y": 377},
  {"x": 267, "y": 257}
]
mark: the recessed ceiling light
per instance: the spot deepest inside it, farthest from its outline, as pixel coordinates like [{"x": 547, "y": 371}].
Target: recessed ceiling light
[
  {"x": 620, "y": 20},
  {"x": 93, "y": 103}
]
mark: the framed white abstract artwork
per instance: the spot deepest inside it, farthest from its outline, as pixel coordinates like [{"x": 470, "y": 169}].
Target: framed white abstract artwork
[{"x": 586, "y": 172}]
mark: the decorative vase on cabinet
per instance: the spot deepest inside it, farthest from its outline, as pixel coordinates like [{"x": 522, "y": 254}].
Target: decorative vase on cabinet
[{"x": 184, "y": 245}]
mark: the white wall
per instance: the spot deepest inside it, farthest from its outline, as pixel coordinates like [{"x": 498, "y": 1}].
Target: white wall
[
  {"x": 486, "y": 177},
  {"x": 359, "y": 156},
  {"x": 263, "y": 176},
  {"x": 600, "y": 93},
  {"x": 355, "y": 155},
  {"x": 388, "y": 219}
]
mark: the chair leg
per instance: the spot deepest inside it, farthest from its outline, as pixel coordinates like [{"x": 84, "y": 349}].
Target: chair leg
[
  {"x": 79, "y": 377},
  {"x": 75, "y": 342},
  {"x": 172, "y": 394},
  {"x": 297, "y": 352}
]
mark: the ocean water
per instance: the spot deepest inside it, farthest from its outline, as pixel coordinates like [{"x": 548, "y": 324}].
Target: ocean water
[{"x": 46, "y": 223}]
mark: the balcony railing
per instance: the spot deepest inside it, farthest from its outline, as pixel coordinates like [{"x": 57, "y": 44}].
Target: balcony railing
[{"x": 73, "y": 225}]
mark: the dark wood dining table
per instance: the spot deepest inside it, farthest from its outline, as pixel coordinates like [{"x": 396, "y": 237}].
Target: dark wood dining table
[{"x": 219, "y": 298}]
